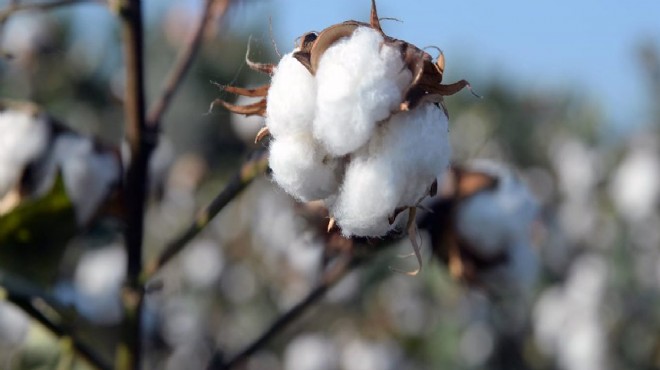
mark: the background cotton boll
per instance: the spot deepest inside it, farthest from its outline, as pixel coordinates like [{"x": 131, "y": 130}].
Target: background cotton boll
[
  {"x": 299, "y": 167},
  {"x": 98, "y": 280},
  {"x": 311, "y": 352},
  {"x": 493, "y": 219},
  {"x": 635, "y": 188},
  {"x": 291, "y": 98},
  {"x": 395, "y": 169},
  {"x": 88, "y": 173},
  {"x": 14, "y": 325},
  {"x": 23, "y": 139},
  {"x": 360, "y": 82}
]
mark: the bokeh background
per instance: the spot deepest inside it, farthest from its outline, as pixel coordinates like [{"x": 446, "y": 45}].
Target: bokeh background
[{"x": 570, "y": 99}]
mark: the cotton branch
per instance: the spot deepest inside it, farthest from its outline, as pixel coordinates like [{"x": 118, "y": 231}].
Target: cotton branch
[
  {"x": 141, "y": 140},
  {"x": 250, "y": 170},
  {"x": 184, "y": 60},
  {"x": 16, "y": 6},
  {"x": 361, "y": 251},
  {"x": 24, "y": 295}
]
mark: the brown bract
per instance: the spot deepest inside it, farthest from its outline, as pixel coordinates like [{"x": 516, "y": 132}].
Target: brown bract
[{"x": 426, "y": 84}]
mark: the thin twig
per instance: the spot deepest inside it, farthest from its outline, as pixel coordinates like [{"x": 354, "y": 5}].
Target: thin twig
[
  {"x": 330, "y": 277},
  {"x": 183, "y": 62},
  {"x": 16, "y": 6},
  {"x": 141, "y": 140},
  {"x": 23, "y": 294},
  {"x": 254, "y": 167}
]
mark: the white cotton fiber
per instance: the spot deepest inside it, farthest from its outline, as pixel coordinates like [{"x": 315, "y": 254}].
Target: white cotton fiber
[
  {"x": 23, "y": 138},
  {"x": 291, "y": 98},
  {"x": 88, "y": 174},
  {"x": 493, "y": 220},
  {"x": 360, "y": 81},
  {"x": 301, "y": 168},
  {"x": 395, "y": 169}
]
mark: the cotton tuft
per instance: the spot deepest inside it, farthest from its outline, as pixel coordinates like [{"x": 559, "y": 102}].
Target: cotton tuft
[
  {"x": 291, "y": 98},
  {"x": 301, "y": 168},
  {"x": 360, "y": 82},
  {"x": 395, "y": 169}
]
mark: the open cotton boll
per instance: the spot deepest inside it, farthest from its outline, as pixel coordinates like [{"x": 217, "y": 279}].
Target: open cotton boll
[
  {"x": 291, "y": 98},
  {"x": 395, "y": 169},
  {"x": 301, "y": 168},
  {"x": 23, "y": 138},
  {"x": 360, "y": 82},
  {"x": 493, "y": 219},
  {"x": 88, "y": 174}
]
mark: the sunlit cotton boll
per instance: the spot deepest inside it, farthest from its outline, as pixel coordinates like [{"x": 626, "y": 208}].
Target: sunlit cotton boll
[
  {"x": 98, "y": 280},
  {"x": 291, "y": 98},
  {"x": 360, "y": 82},
  {"x": 636, "y": 184},
  {"x": 494, "y": 219},
  {"x": 301, "y": 168},
  {"x": 311, "y": 352},
  {"x": 395, "y": 169},
  {"x": 23, "y": 138},
  {"x": 14, "y": 325}
]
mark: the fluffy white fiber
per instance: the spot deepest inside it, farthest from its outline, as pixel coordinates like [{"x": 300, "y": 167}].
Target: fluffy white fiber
[
  {"x": 301, "y": 168},
  {"x": 497, "y": 219},
  {"x": 395, "y": 169},
  {"x": 23, "y": 138},
  {"x": 291, "y": 98},
  {"x": 360, "y": 82},
  {"x": 337, "y": 135}
]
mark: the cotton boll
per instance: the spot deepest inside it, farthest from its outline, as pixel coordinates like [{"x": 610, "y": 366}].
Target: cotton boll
[
  {"x": 395, "y": 169},
  {"x": 360, "y": 82},
  {"x": 291, "y": 98},
  {"x": 23, "y": 138},
  {"x": 311, "y": 352},
  {"x": 301, "y": 168},
  {"x": 88, "y": 173},
  {"x": 98, "y": 280},
  {"x": 493, "y": 219}
]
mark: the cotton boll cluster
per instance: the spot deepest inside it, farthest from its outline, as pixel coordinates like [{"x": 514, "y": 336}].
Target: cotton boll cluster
[
  {"x": 311, "y": 352},
  {"x": 338, "y": 135}
]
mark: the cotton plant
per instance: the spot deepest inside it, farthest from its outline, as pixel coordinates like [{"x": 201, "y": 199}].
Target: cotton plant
[
  {"x": 482, "y": 227},
  {"x": 357, "y": 120}
]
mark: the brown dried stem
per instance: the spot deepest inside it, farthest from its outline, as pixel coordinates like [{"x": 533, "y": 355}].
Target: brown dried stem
[
  {"x": 141, "y": 140},
  {"x": 184, "y": 61}
]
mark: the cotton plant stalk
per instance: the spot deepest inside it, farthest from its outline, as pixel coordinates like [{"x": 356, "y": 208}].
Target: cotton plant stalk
[{"x": 356, "y": 119}]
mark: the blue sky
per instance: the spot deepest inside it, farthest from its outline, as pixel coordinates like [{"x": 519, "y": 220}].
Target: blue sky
[{"x": 586, "y": 46}]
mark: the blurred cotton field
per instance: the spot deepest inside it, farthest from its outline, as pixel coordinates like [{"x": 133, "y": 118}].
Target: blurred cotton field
[{"x": 540, "y": 247}]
